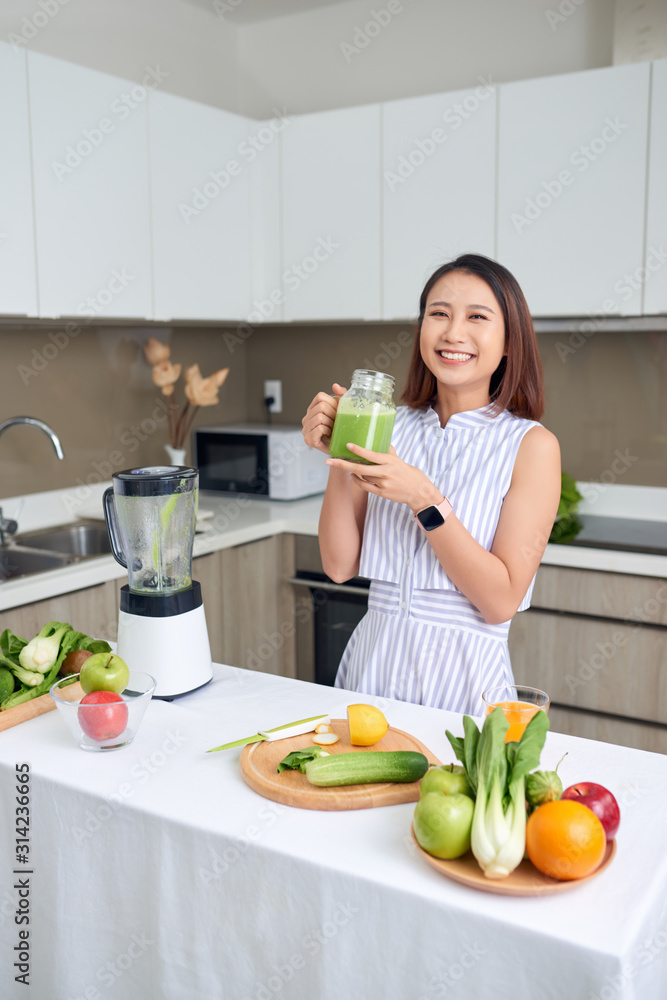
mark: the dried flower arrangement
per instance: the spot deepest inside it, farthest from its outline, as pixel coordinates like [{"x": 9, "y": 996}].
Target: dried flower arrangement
[{"x": 199, "y": 391}]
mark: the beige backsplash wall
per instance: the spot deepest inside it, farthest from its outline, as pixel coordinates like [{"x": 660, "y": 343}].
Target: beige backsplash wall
[
  {"x": 95, "y": 391},
  {"x": 606, "y": 399}
]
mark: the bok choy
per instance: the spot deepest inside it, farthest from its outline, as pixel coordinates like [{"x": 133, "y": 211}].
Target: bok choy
[{"x": 497, "y": 773}]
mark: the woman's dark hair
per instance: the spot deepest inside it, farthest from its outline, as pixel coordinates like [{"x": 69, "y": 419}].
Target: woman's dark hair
[{"x": 516, "y": 384}]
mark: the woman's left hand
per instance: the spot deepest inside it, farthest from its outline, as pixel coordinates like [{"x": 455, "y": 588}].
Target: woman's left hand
[{"x": 390, "y": 477}]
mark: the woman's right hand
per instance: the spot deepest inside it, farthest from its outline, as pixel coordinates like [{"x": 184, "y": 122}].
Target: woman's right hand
[{"x": 319, "y": 419}]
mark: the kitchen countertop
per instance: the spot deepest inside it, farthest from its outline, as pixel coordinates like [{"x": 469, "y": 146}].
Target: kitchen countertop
[{"x": 230, "y": 521}]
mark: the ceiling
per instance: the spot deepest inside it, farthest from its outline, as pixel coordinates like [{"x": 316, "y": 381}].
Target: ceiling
[{"x": 253, "y": 11}]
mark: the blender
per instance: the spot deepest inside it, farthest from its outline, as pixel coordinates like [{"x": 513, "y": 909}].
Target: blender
[{"x": 150, "y": 514}]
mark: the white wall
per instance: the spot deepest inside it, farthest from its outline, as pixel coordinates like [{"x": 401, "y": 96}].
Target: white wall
[
  {"x": 426, "y": 46},
  {"x": 191, "y": 44}
]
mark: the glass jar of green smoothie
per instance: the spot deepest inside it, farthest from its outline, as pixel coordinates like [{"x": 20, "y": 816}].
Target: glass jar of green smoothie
[{"x": 365, "y": 416}]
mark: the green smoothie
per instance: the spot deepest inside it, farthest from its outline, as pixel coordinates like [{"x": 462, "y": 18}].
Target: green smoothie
[{"x": 369, "y": 427}]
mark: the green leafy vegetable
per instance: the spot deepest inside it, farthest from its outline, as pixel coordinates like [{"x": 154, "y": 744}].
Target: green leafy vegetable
[
  {"x": 567, "y": 525},
  {"x": 297, "y": 760},
  {"x": 497, "y": 771},
  {"x": 35, "y": 682},
  {"x": 42, "y": 652}
]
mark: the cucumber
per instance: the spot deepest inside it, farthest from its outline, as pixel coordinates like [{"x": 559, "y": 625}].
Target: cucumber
[{"x": 363, "y": 767}]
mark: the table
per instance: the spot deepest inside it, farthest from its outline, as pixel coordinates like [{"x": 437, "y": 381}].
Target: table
[{"x": 156, "y": 872}]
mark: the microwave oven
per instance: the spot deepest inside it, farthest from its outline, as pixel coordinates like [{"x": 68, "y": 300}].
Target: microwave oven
[{"x": 258, "y": 460}]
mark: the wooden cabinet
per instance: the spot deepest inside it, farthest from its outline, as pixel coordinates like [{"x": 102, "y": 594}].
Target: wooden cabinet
[
  {"x": 572, "y": 188},
  {"x": 249, "y": 606},
  {"x": 18, "y": 288},
  {"x": 90, "y": 169},
  {"x": 438, "y": 188},
  {"x": 331, "y": 215},
  {"x": 655, "y": 278},
  {"x": 200, "y": 198},
  {"x": 597, "y": 643},
  {"x": 93, "y": 611}
]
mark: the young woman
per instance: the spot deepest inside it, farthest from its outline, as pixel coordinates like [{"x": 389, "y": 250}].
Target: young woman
[{"x": 469, "y": 456}]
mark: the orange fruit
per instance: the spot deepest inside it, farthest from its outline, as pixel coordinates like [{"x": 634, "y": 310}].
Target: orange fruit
[{"x": 565, "y": 839}]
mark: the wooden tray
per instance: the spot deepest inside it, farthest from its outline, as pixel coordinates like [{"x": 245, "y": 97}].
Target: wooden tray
[
  {"x": 36, "y": 706},
  {"x": 525, "y": 880},
  {"x": 259, "y": 762}
]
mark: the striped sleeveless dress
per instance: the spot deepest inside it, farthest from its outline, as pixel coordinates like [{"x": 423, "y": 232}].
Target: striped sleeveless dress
[{"x": 421, "y": 640}]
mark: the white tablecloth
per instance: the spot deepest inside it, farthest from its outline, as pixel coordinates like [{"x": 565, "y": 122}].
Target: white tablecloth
[{"x": 158, "y": 874}]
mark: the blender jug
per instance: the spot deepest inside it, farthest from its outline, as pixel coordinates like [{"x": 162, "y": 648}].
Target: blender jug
[{"x": 150, "y": 514}]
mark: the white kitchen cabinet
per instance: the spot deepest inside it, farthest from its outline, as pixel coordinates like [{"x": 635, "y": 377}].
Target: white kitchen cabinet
[
  {"x": 438, "y": 188},
  {"x": 331, "y": 215},
  {"x": 90, "y": 164},
  {"x": 200, "y": 196},
  {"x": 265, "y": 216},
  {"x": 18, "y": 288},
  {"x": 655, "y": 278},
  {"x": 571, "y": 188}
]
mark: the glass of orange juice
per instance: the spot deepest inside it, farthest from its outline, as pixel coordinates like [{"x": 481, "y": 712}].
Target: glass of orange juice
[{"x": 519, "y": 703}]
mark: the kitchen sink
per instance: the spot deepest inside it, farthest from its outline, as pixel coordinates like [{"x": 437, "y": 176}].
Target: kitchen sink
[
  {"x": 51, "y": 548},
  {"x": 18, "y": 561},
  {"x": 83, "y": 539}
]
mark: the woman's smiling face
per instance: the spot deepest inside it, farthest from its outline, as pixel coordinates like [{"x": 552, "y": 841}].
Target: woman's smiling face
[{"x": 463, "y": 335}]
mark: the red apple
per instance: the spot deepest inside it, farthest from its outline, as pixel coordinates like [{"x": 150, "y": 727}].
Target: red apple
[
  {"x": 600, "y": 801},
  {"x": 102, "y": 715}
]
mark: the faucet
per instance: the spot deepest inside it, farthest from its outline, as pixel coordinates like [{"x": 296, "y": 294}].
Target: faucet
[
  {"x": 7, "y": 526},
  {"x": 33, "y": 422}
]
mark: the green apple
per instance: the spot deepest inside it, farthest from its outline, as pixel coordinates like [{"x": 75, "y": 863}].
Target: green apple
[
  {"x": 442, "y": 824},
  {"x": 104, "y": 672},
  {"x": 449, "y": 779}
]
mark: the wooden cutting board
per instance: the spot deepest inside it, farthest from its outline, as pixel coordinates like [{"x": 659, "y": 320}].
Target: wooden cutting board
[
  {"x": 259, "y": 762},
  {"x": 37, "y": 706}
]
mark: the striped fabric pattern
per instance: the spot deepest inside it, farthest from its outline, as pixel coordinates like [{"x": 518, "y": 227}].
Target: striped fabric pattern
[{"x": 421, "y": 640}]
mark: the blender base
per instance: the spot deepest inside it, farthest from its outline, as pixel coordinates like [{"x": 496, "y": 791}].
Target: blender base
[{"x": 174, "y": 649}]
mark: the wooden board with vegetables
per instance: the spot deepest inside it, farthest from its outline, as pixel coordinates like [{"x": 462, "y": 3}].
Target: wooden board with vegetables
[
  {"x": 29, "y": 668},
  {"x": 259, "y": 767}
]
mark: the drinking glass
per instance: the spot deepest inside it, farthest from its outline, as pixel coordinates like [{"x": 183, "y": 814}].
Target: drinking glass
[{"x": 519, "y": 703}]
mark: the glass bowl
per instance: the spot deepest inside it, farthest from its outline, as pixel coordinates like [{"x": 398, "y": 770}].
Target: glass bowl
[
  {"x": 519, "y": 703},
  {"x": 103, "y": 726}
]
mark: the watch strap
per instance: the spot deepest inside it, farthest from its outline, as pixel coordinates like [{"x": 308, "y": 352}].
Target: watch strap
[{"x": 444, "y": 509}]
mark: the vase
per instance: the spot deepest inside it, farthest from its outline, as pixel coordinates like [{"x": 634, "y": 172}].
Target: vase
[{"x": 176, "y": 455}]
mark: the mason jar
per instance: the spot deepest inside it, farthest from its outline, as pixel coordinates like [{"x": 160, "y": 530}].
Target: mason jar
[{"x": 365, "y": 416}]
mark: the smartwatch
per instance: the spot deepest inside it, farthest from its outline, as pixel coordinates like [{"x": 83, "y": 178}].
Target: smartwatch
[{"x": 432, "y": 517}]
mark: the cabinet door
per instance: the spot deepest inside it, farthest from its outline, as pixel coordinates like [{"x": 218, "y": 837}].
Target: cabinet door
[
  {"x": 18, "y": 288},
  {"x": 90, "y": 161},
  {"x": 438, "y": 188},
  {"x": 266, "y": 232},
  {"x": 93, "y": 610},
  {"x": 331, "y": 215},
  {"x": 200, "y": 195},
  {"x": 655, "y": 278},
  {"x": 571, "y": 188}
]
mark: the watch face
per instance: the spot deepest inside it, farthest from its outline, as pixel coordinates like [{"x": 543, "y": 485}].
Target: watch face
[{"x": 430, "y": 518}]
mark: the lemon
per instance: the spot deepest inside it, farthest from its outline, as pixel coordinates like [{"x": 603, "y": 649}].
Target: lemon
[{"x": 367, "y": 725}]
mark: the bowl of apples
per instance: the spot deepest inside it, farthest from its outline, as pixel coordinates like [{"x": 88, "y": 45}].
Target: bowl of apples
[{"x": 104, "y": 704}]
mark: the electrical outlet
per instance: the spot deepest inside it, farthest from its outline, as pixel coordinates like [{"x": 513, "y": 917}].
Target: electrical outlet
[{"x": 274, "y": 387}]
